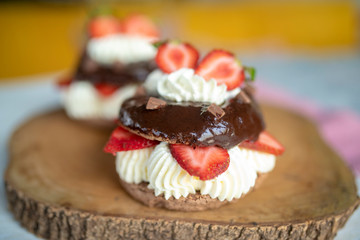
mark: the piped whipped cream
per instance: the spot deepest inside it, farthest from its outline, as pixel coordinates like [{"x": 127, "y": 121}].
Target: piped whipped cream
[
  {"x": 152, "y": 80},
  {"x": 82, "y": 101},
  {"x": 165, "y": 176},
  {"x": 184, "y": 85},
  {"x": 131, "y": 165},
  {"x": 119, "y": 47}
]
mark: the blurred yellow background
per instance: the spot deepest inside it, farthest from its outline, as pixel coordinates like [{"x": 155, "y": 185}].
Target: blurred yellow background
[{"x": 44, "y": 37}]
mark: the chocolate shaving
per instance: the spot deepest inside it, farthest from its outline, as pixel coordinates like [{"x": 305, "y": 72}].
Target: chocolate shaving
[
  {"x": 250, "y": 89},
  {"x": 90, "y": 66},
  {"x": 155, "y": 103},
  {"x": 118, "y": 66},
  {"x": 215, "y": 110},
  {"x": 140, "y": 91},
  {"x": 244, "y": 97}
]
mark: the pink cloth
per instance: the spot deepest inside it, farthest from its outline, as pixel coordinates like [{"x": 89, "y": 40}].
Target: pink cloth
[{"x": 340, "y": 128}]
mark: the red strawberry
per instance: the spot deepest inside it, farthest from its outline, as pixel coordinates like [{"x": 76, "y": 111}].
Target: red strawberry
[
  {"x": 223, "y": 67},
  {"x": 64, "y": 82},
  {"x": 265, "y": 143},
  {"x": 203, "y": 162},
  {"x": 174, "y": 55},
  {"x": 123, "y": 140},
  {"x": 103, "y": 25},
  {"x": 106, "y": 89},
  {"x": 137, "y": 24}
]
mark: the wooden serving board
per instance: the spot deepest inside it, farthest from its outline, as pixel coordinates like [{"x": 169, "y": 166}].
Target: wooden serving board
[{"x": 60, "y": 185}]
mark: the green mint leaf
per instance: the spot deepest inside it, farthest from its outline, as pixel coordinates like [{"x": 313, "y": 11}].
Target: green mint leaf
[
  {"x": 251, "y": 72},
  {"x": 158, "y": 43}
]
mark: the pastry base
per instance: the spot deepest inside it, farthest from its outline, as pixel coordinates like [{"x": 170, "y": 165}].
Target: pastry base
[
  {"x": 193, "y": 202},
  {"x": 60, "y": 185}
]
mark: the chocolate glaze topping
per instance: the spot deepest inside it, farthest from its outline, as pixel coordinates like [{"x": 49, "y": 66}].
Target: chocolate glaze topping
[
  {"x": 191, "y": 124},
  {"x": 117, "y": 74}
]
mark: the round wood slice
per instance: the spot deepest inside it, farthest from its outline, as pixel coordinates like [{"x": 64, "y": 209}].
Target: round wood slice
[{"x": 60, "y": 185}]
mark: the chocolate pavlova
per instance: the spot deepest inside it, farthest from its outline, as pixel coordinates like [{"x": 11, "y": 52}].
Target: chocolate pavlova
[
  {"x": 195, "y": 138},
  {"x": 118, "y": 56}
]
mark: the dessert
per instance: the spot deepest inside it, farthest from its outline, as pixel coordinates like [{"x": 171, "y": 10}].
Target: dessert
[
  {"x": 61, "y": 191},
  {"x": 118, "y": 56},
  {"x": 196, "y": 139}
]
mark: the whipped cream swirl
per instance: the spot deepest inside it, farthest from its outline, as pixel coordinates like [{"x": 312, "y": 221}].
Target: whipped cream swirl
[
  {"x": 152, "y": 80},
  {"x": 82, "y": 101},
  {"x": 165, "y": 176},
  {"x": 184, "y": 85},
  {"x": 131, "y": 165},
  {"x": 123, "y": 48}
]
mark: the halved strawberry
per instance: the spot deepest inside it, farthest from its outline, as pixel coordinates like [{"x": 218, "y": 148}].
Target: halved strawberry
[
  {"x": 174, "y": 55},
  {"x": 64, "y": 81},
  {"x": 223, "y": 67},
  {"x": 105, "y": 89},
  {"x": 138, "y": 24},
  {"x": 103, "y": 25},
  {"x": 123, "y": 140},
  {"x": 203, "y": 162},
  {"x": 265, "y": 143}
]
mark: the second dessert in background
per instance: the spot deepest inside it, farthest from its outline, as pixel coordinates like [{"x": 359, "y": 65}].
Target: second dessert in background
[
  {"x": 195, "y": 138},
  {"x": 117, "y": 57}
]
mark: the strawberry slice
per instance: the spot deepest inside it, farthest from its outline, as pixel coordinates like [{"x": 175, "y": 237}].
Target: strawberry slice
[
  {"x": 123, "y": 140},
  {"x": 203, "y": 162},
  {"x": 105, "y": 90},
  {"x": 64, "y": 82},
  {"x": 223, "y": 67},
  {"x": 265, "y": 143},
  {"x": 141, "y": 25},
  {"x": 174, "y": 55},
  {"x": 103, "y": 25}
]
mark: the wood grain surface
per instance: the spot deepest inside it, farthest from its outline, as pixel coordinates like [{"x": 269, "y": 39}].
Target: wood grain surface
[{"x": 60, "y": 185}]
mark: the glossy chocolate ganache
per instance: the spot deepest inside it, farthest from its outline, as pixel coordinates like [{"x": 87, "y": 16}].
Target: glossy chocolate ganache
[
  {"x": 192, "y": 124},
  {"x": 117, "y": 74}
]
